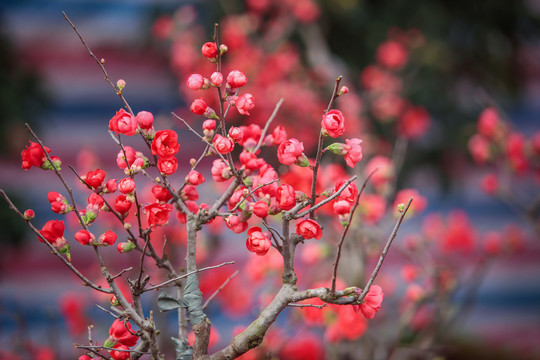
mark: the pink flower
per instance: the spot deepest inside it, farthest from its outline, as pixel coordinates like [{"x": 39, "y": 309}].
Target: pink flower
[
  {"x": 333, "y": 123},
  {"x": 308, "y": 229},
  {"x": 223, "y": 145},
  {"x": 145, "y": 120},
  {"x": 245, "y": 103},
  {"x": 84, "y": 237},
  {"x": 342, "y": 207},
  {"x": 236, "y": 224},
  {"x": 126, "y": 186},
  {"x": 372, "y": 302},
  {"x": 194, "y": 178},
  {"x": 158, "y": 214},
  {"x": 161, "y": 194},
  {"x": 209, "y": 50},
  {"x": 278, "y": 136},
  {"x": 250, "y": 161},
  {"x": 130, "y": 155},
  {"x": 167, "y": 165},
  {"x": 94, "y": 178},
  {"x": 348, "y": 194},
  {"x": 236, "y": 79},
  {"x": 123, "y": 123},
  {"x": 414, "y": 122},
  {"x": 122, "y": 204},
  {"x": 257, "y": 241},
  {"x": 189, "y": 193},
  {"x": 260, "y": 208},
  {"x": 195, "y": 81},
  {"x": 285, "y": 196},
  {"x": 479, "y": 148},
  {"x": 33, "y": 155},
  {"x": 353, "y": 151},
  {"x": 385, "y": 171},
  {"x": 216, "y": 78},
  {"x": 221, "y": 171},
  {"x": 165, "y": 143},
  {"x": 290, "y": 151},
  {"x": 488, "y": 123},
  {"x": 111, "y": 186},
  {"x": 392, "y": 54},
  {"x": 490, "y": 184},
  {"x": 108, "y": 238},
  {"x": 236, "y": 133}
]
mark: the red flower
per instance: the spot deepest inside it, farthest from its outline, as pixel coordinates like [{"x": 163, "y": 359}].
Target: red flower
[
  {"x": 209, "y": 50},
  {"x": 260, "y": 208},
  {"x": 236, "y": 79},
  {"x": 95, "y": 178},
  {"x": 126, "y": 186},
  {"x": 372, "y": 302},
  {"x": 216, "y": 78},
  {"x": 53, "y": 232},
  {"x": 84, "y": 237},
  {"x": 29, "y": 214},
  {"x": 161, "y": 194},
  {"x": 145, "y": 120},
  {"x": 195, "y": 81},
  {"x": 414, "y": 122},
  {"x": 158, "y": 214},
  {"x": 123, "y": 123},
  {"x": 165, "y": 143},
  {"x": 257, "y": 242},
  {"x": 122, "y": 333},
  {"x": 168, "y": 165},
  {"x": 223, "y": 145},
  {"x": 130, "y": 155},
  {"x": 194, "y": 178},
  {"x": 120, "y": 355},
  {"x": 308, "y": 229},
  {"x": 290, "y": 151},
  {"x": 348, "y": 194},
  {"x": 221, "y": 171},
  {"x": 236, "y": 133},
  {"x": 33, "y": 155},
  {"x": 109, "y": 238},
  {"x": 392, "y": 54},
  {"x": 353, "y": 151},
  {"x": 333, "y": 123},
  {"x": 198, "y": 106},
  {"x": 285, "y": 196},
  {"x": 245, "y": 103},
  {"x": 122, "y": 204}
]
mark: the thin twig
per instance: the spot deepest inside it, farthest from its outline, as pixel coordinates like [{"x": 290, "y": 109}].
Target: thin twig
[
  {"x": 86, "y": 281},
  {"x": 344, "y": 234},
  {"x": 100, "y": 63},
  {"x": 313, "y": 196},
  {"x": 385, "y": 251},
  {"x": 186, "y": 275},
  {"x": 121, "y": 273},
  {"x": 251, "y": 193},
  {"x": 107, "y": 311},
  {"x": 267, "y": 125},
  {"x": 219, "y": 289},
  {"x": 301, "y": 306},
  {"x": 328, "y": 199}
]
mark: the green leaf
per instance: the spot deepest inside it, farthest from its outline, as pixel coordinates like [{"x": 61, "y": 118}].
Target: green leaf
[{"x": 166, "y": 302}]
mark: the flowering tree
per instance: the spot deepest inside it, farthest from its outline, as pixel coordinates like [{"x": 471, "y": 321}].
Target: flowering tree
[{"x": 252, "y": 191}]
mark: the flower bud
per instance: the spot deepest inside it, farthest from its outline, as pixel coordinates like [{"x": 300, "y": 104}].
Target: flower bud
[
  {"x": 223, "y": 49},
  {"x": 343, "y": 90},
  {"x": 216, "y": 79},
  {"x": 108, "y": 238},
  {"x": 120, "y": 84},
  {"x": 209, "y": 50},
  {"x": 125, "y": 247},
  {"x": 29, "y": 214},
  {"x": 114, "y": 301}
]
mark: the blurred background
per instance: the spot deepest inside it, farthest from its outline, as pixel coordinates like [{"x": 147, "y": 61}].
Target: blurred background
[{"x": 443, "y": 64}]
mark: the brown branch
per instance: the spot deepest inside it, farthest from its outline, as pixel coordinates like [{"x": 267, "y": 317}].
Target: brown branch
[
  {"x": 219, "y": 289},
  {"x": 100, "y": 63},
  {"x": 338, "y": 255},
  {"x": 385, "y": 251},
  {"x": 87, "y": 282},
  {"x": 313, "y": 196},
  {"x": 155, "y": 287},
  {"x": 267, "y": 125},
  {"x": 251, "y": 193}
]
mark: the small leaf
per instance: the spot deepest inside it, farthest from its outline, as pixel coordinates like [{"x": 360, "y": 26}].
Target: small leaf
[{"x": 166, "y": 302}]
